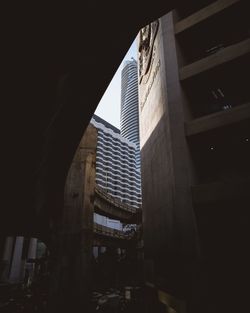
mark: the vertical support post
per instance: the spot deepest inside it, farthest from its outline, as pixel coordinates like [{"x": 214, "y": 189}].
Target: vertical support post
[
  {"x": 6, "y": 259},
  {"x": 32, "y": 248},
  {"x": 16, "y": 266},
  {"x": 71, "y": 246},
  {"x": 32, "y": 256}
]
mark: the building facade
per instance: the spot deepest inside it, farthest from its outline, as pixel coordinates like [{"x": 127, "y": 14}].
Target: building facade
[
  {"x": 116, "y": 168},
  {"x": 195, "y": 134}
]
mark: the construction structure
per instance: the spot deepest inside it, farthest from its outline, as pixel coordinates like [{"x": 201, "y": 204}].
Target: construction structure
[
  {"x": 83, "y": 197},
  {"x": 57, "y": 69},
  {"x": 194, "y": 133}
]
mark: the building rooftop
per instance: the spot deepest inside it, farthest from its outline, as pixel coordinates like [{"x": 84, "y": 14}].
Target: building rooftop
[{"x": 105, "y": 123}]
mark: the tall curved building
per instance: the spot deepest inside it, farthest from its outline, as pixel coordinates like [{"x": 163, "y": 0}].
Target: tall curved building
[{"x": 129, "y": 105}]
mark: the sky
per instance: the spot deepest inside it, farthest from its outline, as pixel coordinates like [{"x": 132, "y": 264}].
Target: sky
[{"x": 109, "y": 106}]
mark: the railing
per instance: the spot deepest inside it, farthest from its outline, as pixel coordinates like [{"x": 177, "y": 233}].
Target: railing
[{"x": 115, "y": 233}]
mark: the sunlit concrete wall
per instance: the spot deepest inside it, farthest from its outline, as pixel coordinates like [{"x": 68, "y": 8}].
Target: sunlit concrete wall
[{"x": 168, "y": 219}]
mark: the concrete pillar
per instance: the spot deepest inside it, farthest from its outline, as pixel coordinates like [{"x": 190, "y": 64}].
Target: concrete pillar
[
  {"x": 165, "y": 166},
  {"x": 16, "y": 265},
  {"x": 6, "y": 259},
  {"x": 95, "y": 252},
  {"x": 103, "y": 249},
  {"x": 32, "y": 248},
  {"x": 71, "y": 245},
  {"x": 31, "y": 257}
]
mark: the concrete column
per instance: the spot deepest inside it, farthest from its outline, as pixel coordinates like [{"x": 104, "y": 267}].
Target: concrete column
[
  {"x": 16, "y": 265},
  {"x": 31, "y": 256},
  {"x": 103, "y": 249},
  {"x": 99, "y": 251},
  {"x": 95, "y": 252},
  {"x": 32, "y": 248},
  {"x": 71, "y": 245},
  {"x": 168, "y": 216},
  {"x": 6, "y": 259}
]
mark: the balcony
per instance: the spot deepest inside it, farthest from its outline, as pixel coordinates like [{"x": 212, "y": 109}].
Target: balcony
[
  {"x": 220, "y": 57},
  {"x": 203, "y": 14},
  {"x": 106, "y": 236},
  {"x": 218, "y": 119}
]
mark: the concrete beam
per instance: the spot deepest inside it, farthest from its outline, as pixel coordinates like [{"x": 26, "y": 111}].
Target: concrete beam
[
  {"x": 116, "y": 202},
  {"x": 218, "y": 119},
  {"x": 222, "y": 56},
  {"x": 108, "y": 206},
  {"x": 114, "y": 212},
  {"x": 203, "y": 14},
  {"x": 220, "y": 191}
]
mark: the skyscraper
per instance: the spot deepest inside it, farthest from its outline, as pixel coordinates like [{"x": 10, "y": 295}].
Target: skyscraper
[
  {"x": 129, "y": 105},
  {"x": 116, "y": 168},
  {"x": 116, "y": 164}
]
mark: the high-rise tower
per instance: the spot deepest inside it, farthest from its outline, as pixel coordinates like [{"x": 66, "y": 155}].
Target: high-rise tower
[
  {"x": 116, "y": 164},
  {"x": 129, "y": 105},
  {"x": 116, "y": 168}
]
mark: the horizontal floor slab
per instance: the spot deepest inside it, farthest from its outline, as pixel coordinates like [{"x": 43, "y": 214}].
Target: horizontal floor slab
[
  {"x": 203, "y": 14},
  {"x": 218, "y": 119},
  {"x": 222, "y": 56}
]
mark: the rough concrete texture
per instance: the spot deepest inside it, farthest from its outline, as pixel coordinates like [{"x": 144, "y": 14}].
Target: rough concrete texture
[
  {"x": 72, "y": 245},
  {"x": 168, "y": 218}
]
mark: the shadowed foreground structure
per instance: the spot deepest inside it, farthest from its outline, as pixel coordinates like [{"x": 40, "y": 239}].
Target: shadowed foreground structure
[{"x": 58, "y": 61}]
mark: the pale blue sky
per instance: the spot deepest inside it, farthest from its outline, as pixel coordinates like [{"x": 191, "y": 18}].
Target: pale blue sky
[{"x": 109, "y": 106}]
